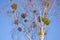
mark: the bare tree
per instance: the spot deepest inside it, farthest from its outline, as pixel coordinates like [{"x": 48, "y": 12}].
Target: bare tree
[{"x": 31, "y": 17}]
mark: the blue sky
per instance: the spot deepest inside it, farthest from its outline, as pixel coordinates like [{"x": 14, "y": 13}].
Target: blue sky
[{"x": 6, "y": 24}]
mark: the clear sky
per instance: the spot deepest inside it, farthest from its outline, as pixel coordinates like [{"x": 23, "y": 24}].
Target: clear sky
[{"x": 6, "y": 24}]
